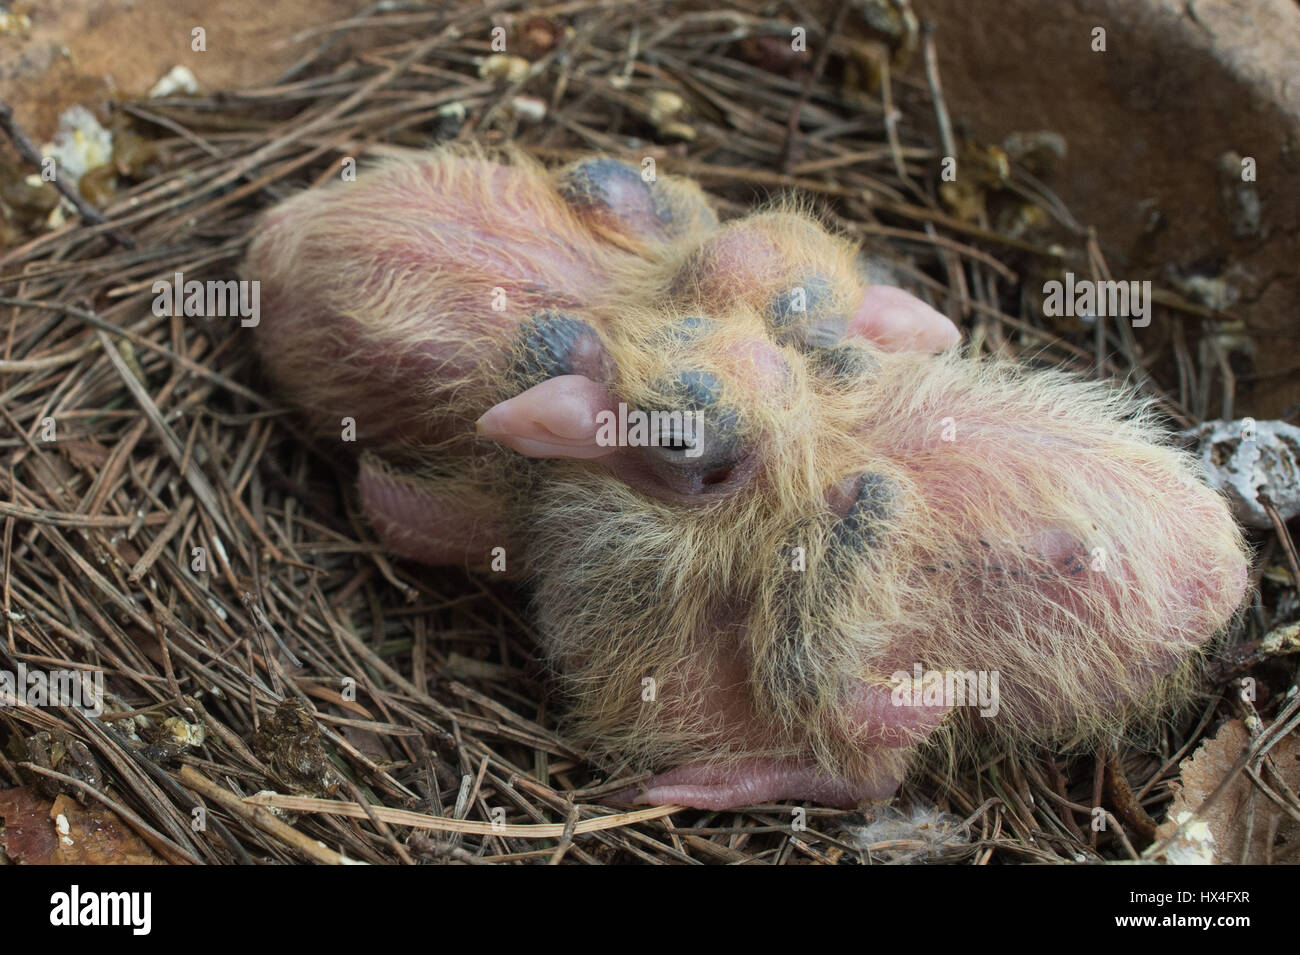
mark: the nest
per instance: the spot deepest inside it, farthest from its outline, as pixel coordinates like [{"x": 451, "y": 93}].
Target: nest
[{"x": 166, "y": 523}]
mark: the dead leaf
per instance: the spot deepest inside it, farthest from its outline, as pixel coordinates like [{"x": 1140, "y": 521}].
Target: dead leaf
[
  {"x": 37, "y": 831},
  {"x": 96, "y": 836},
  {"x": 1218, "y": 836},
  {"x": 26, "y": 834}
]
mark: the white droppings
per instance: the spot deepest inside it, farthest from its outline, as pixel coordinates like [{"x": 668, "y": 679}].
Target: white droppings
[
  {"x": 178, "y": 80},
  {"x": 80, "y": 144}
]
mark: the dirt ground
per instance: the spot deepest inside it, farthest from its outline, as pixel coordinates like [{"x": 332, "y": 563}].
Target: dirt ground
[
  {"x": 85, "y": 51},
  {"x": 1180, "y": 85}
]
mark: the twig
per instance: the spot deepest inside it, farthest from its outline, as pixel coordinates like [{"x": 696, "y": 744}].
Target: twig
[
  {"x": 263, "y": 819},
  {"x": 403, "y": 817},
  {"x": 946, "y": 138},
  {"x": 819, "y": 65}
]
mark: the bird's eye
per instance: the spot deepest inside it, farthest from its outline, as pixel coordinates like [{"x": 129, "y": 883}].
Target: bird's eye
[
  {"x": 696, "y": 434},
  {"x": 685, "y": 330},
  {"x": 871, "y": 505},
  {"x": 616, "y": 192},
  {"x": 551, "y": 344},
  {"x": 847, "y": 362},
  {"x": 807, "y": 314}
]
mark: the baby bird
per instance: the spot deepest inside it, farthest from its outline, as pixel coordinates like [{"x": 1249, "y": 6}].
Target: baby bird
[{"x": 782, "y": 537}]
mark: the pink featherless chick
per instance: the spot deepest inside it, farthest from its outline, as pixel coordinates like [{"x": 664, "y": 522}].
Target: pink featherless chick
[{"x": 771, "y": 517}]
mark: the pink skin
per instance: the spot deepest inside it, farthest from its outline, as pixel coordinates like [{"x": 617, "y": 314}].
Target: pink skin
[
  {"x": 748, "y": 783},
  {"x": 723, "y": 699},
  {"x": 556, "y": 419},
  {"x": 744, "y": 783},
  {"x": 423, "y": 526},
  {"x": 898, "y": 321}
]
